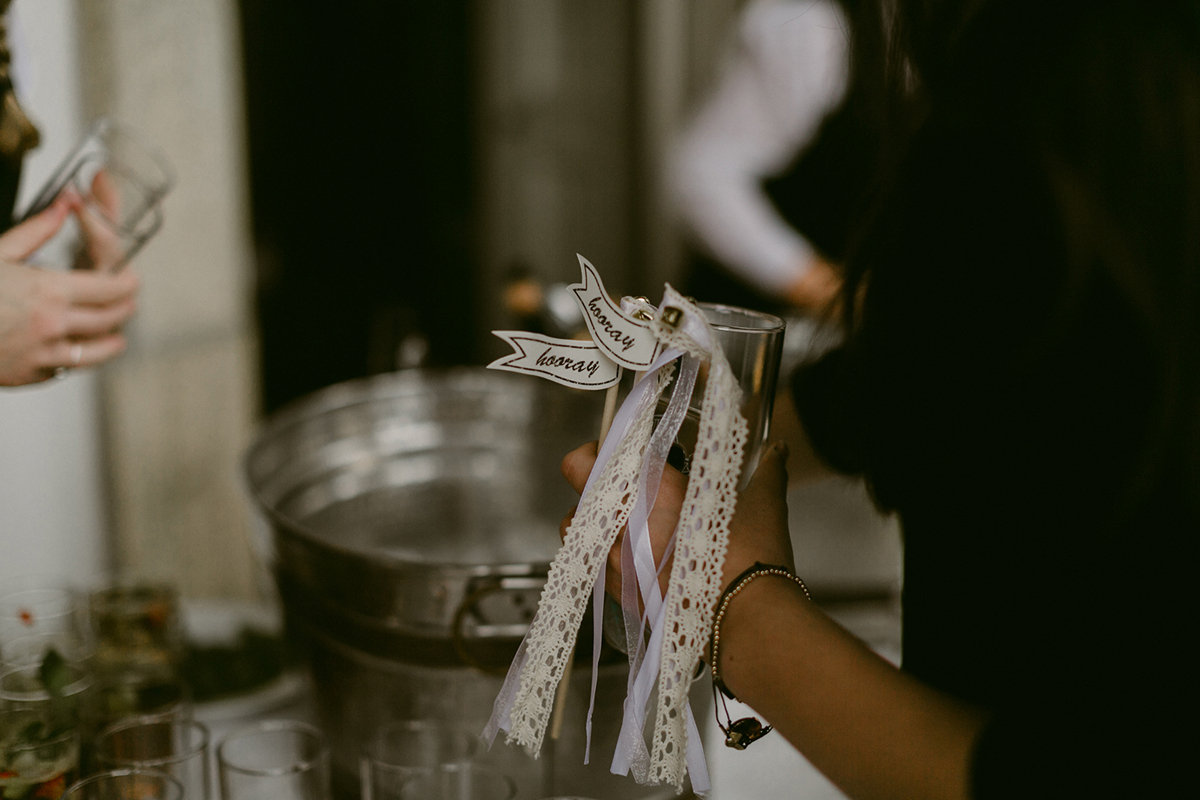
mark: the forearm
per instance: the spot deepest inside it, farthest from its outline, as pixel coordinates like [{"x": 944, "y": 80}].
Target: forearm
[{"x": 873, "y": 730}]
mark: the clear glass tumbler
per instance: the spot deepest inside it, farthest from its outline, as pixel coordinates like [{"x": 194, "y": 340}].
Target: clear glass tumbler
[
  {"x": 126, "y": 784},
  {"x": 137, "y": 625},
  {"x": 121, "y": 179},
  {"x": 176, "y": 747},
  {"x": 752, "y": 343},
  {"x": 26, "y": 688},
  {"x": 39, "y": 753},
  {"x": 38, "y": 614},
  {"x": 406, "y": 748},
  {"x": 274, "y": 760},
  {"x": 460, "y": 781}
]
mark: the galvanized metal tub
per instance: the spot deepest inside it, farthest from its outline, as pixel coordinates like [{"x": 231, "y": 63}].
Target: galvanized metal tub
[{"x": 414, "y": 516}]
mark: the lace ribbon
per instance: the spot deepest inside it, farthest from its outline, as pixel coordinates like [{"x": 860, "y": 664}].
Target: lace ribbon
[
  {"x": 526, "y": 699},
  {"x": 622, "y": 489},
  {"x": 701, "y": 539}
]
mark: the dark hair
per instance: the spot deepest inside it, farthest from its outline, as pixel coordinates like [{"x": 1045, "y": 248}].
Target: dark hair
[{"x": 1105, "y": 96}]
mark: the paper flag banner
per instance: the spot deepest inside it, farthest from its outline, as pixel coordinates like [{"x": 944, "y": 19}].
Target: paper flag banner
[
  {"x": 628, "y": 341},
  {"x": 570, "y": 362}
]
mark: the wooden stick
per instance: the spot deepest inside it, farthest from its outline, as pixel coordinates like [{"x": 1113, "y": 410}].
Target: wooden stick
[{"x": 560, "y": 697}]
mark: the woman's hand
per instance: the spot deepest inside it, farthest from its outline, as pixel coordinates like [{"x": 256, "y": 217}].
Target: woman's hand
[
  {"x": 758, "y": 531},
  {"x": 51, "y": 319},
  {"x": 818, "y": 287}
]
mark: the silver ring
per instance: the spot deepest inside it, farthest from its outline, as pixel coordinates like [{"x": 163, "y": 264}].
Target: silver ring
[{"x": 76, "y": 354}]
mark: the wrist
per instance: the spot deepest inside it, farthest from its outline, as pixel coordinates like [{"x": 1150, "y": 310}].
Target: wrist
[
  {"x": 744, "y": 732},
  {"x": 743, "y": 601}
]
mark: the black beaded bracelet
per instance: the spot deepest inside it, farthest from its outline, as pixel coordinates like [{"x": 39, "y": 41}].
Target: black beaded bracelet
[{"x": 740, "y": 734}]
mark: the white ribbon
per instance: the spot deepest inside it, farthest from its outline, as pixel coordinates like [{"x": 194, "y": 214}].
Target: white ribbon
[
  {"x": 522, "y": 691},
  {"x": 626, "y": 499}
]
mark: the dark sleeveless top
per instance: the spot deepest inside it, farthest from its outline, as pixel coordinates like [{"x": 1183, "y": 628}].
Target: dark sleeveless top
[{"x": 1001, "y": 396}]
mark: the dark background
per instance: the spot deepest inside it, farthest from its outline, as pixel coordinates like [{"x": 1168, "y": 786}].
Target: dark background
[{"x": 361, "y": 169}]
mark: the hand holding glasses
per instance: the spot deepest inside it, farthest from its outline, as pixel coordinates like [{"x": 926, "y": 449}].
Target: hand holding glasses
[{"x": 115, "y": 182}]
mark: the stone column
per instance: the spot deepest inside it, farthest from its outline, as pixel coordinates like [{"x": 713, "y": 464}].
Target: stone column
[{"x": 178, "y": 407}]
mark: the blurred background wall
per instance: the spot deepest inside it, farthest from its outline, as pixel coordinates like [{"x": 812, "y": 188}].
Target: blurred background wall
[
  {"x": 135, "y": 465},
  {"x": 356, "y": 183},
  {"x": 52, "y": 507}
]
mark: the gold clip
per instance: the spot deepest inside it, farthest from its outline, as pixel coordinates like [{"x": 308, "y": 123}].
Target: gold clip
[{"x": 672, "y": 316}]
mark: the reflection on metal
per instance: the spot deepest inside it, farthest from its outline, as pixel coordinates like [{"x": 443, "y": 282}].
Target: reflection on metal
[{"x": 414, "y": 516}]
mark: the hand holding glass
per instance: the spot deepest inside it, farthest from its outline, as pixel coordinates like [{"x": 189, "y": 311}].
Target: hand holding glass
[{"x": 116, "y": 181}]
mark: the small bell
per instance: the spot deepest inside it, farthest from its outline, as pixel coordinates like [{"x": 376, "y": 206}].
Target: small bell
[{"x": 745, "y": 732}]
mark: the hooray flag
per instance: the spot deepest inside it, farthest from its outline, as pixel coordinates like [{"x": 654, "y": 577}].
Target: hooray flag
[{"x": 570, "y": 362}]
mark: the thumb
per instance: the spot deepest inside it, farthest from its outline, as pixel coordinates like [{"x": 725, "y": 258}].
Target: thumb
[
  {"x": 22, "y": 240},
  {"x": 770, "y": 478}
]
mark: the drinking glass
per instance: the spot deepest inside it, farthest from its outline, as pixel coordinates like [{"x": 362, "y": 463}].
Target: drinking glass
[
  {"x": 121, "y": 179},
  {"x": 118, "y": 696},
  {"x": 460, "y": 781},
  {"x": 39, "y": 614},
  {"x": 39, "y": 753},
  {"x": 137, "y": 625},
  {"x": 407, "y": 748},
  {"x": 178, "y": 748},
  {"x": 752, "y": 343},
  {"x": 126, "y": 784},
  {"x": 26, "y": 688},
  {"x": 274, "y": 760}
]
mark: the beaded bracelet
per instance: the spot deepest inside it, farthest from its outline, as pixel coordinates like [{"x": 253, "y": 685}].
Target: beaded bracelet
[{"x": 740, "y": 734}]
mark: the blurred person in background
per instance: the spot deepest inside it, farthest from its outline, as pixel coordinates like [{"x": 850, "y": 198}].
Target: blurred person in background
[
  {"x": 1020, "y": 383},
  {"x": 776, "y": 169},
  {"x": 50, "y": 320}
]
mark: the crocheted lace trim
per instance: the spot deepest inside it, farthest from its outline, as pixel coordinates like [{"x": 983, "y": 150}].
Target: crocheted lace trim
[
  {"x": 600, "y": 517},
  {"x": 701, "y": 540}
]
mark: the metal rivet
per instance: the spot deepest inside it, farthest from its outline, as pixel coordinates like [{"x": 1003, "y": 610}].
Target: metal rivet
[{"x": 672, "y": 316}]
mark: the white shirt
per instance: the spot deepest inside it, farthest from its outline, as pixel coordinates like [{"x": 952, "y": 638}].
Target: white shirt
[{"x": 790, "y": 69}]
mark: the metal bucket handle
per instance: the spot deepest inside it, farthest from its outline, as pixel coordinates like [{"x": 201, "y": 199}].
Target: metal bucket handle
[{"x": 469, "y": 606}]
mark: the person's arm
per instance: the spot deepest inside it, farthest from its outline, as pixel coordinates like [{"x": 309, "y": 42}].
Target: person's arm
[
  {"x": 871, "y": 729},
  {"x": 51, "y": 318},
  {"x": 789, "y": 72}
]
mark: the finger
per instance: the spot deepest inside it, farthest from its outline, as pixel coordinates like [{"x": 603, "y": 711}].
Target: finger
[
  {"x": 84, "y": 322},
  {"x": 105, "y": 247},
  {"x": 577, "y": 465},
  {"x": 104, "y": 190},
  {"x": 99, "y": 288},
  {"x": 22, "y": 240},
  {"x": 566, "y": 523},
  {"x": 612, "y": 576},
  {"x": 70, "y": 354}
]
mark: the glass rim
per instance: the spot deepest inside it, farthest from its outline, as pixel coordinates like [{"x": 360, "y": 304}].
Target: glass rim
[
  {"x": 146, "y": 720},
  {"x": 274, "y": 726},
  {"x": 774, "y": 324},
  {"x": 461, "y": 767},
  {"x": 35, "y": 580},
  {"x": 373, "y": 751},
  {"x": 99, "y": 777},
  {"x": 80, "y": 684},
  {"x": 153, "y": 219},
  {"x": 105, "y": 125},
  {"x": 68, "y": 734}
]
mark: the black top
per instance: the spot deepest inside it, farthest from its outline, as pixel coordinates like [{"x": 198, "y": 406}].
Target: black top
[{"x": 1003, "y": 393}]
